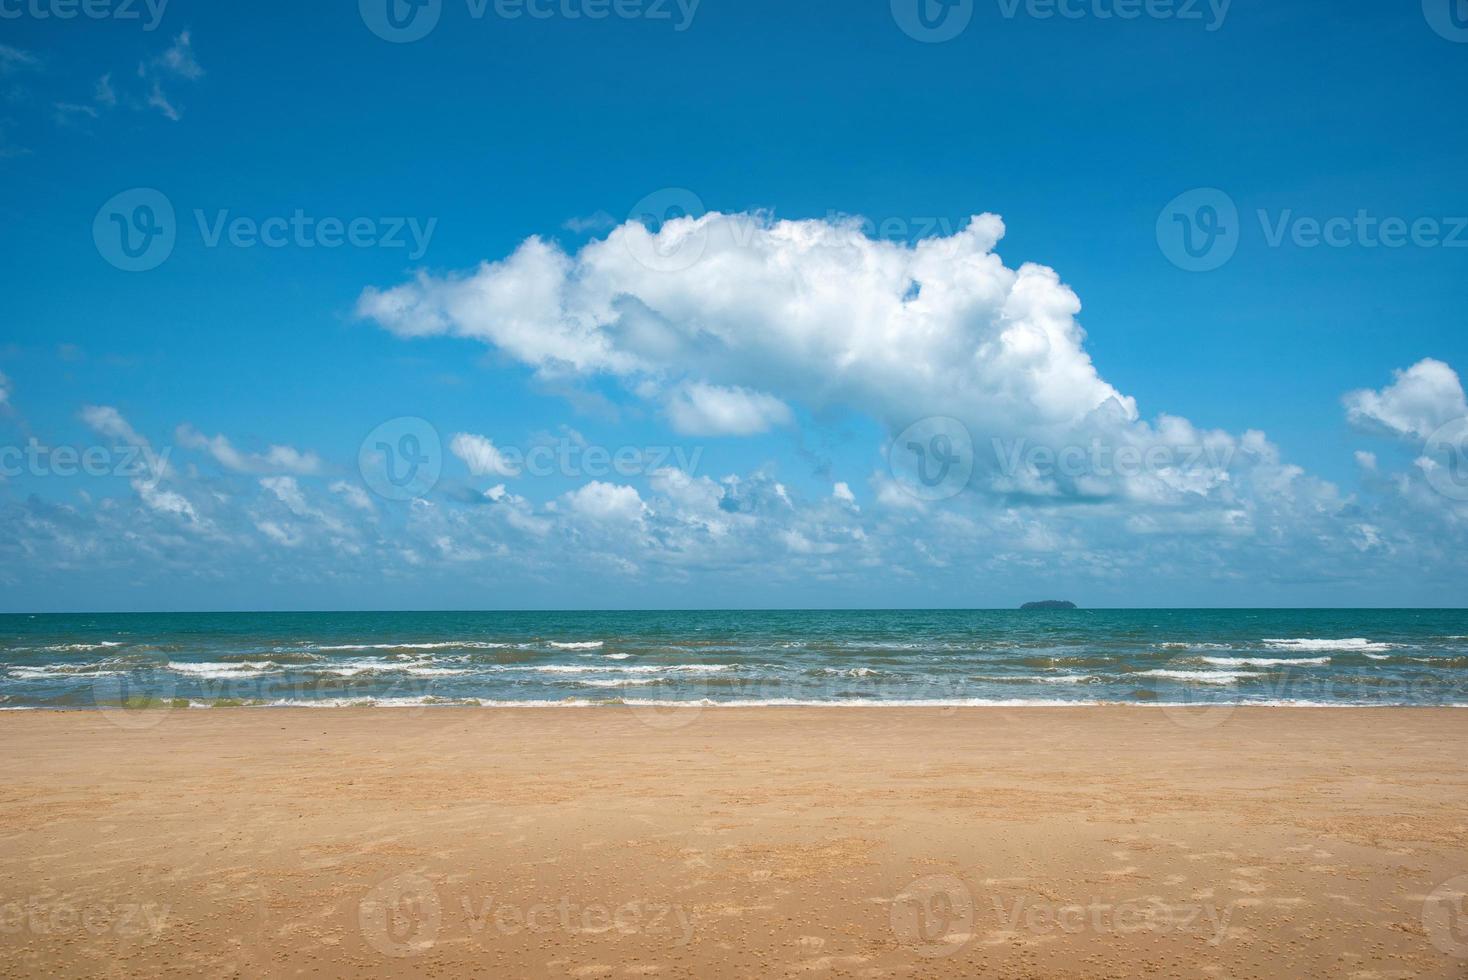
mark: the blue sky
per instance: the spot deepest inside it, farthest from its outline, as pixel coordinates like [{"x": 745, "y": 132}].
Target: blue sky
[{"x": 1079, "y": 131}]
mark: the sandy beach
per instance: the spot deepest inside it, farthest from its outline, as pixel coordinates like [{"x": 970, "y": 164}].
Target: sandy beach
[{"x": 1039, "y": 842}]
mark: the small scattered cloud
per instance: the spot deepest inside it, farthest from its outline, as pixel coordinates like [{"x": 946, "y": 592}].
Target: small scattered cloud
[
  {"x": 353, "y": 494},
  {"x": 699, "y": 409},
  {"x": 159, "y": 101},
  {"x": 276, "y": 459},
  {"x": 600, "y": 221},
  {"x": 108, "y": 421},
  {"x": 68, "y": 113},
  {"x": 481, "y": 456},
  {"x": 14, "y": 59},
  {"x": 104, "y": 94},
  {"x": 179, "y": 59}
]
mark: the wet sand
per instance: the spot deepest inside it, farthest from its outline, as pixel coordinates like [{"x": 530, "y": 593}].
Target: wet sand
[{"x": 851, "y": 842}]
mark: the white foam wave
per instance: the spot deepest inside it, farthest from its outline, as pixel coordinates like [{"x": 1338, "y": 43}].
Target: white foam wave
[
  {"x": 1199, "y": 676},
  {"x": 224, "y": 671},
  {"x": 71, "y": 647},
  {"x": 636, "y": 669},
  {"x": 441, "y": 645},
  {"x": 1050, "y": 679},
  {"x": 621, "y": 682},
  {"x": 59, "y": 670},
  {"x": 1266, "y": 661},
  {"x": 583, "y": 645},
  {"x": 1313, "y": 644}
]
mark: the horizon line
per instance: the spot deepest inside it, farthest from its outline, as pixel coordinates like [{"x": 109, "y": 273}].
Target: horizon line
[{"x": 726, "y": 609}]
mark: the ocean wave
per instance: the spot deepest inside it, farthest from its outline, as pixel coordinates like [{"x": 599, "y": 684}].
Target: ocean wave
[
  {"x": 1032, "y": 679},
  {"x": 1050, "y": 663},
  {"x": 1177, "y": 645},
  {"x": 1200, "y": 676},
  {"x": 1265, "y": 661},
  {"x": 635, "y": 669},
  {"x": 278, "y": 656},
  {"x": 57, "y": 670},
  {"x": 367, "y": 701},
  {"x": 358, "y": 670},
  {"x": 579, "y": 645},
  {"x": 224, "y": 671},
  {"x": 1311, "y": 644},
  {"x": 619, "y": 682},
  {"x": 439, "y": 645},
  {"x": 68, "y": 647},
  {"x": 113, "y": 665}
]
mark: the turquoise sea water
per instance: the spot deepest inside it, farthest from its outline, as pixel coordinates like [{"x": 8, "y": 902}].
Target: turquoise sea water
[{"x": 1328, "y": 657}]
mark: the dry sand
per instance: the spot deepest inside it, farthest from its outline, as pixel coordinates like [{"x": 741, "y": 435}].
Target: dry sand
[{"x": 852, "y": 842}]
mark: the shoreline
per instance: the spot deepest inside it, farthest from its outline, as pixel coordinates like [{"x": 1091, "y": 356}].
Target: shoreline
[{"x": 367, "y": 703}]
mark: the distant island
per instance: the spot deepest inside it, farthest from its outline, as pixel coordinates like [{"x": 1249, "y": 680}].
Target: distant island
[{"x": 1049, "y": 604}]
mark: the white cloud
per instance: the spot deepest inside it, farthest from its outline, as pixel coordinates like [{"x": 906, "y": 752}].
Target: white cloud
[
  {"x": 179, "y": 58},
  {"x": 353, "y": 494},
  {"x": 276, "y": 459},
  {"x": 67, "y": 111},
  {"x": 288, "y": 492},
  {"x": 1419, "y": 401},
  {"x": 605, "y": 502},
  {"x": 159, "y": 101},
  {"x": 801, "y": 310},
  {"x": 177, "y": 62},
  {"x": 776, "y": 313},
  {"x": 843, "y": 493},
  {"x": 14, "y": 59},
  {"x": 166, "y": 501},
  {"x": 108, "y": 421},
  {"x": 699, "y": 409},
  {"x": 481, "y": 456}
]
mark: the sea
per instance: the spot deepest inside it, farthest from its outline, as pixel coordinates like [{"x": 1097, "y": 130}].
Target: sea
[{"x": 943, "y": 658}]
